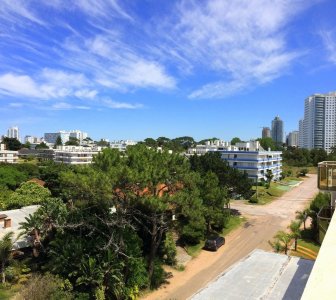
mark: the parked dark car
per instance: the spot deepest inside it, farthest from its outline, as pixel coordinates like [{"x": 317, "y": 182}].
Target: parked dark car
[{"x": 214, "y": 243}]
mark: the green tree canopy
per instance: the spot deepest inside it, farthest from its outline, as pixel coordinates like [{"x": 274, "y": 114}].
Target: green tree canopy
[
  {"x": 42, "y": 146},
  {"x": 235, "y": 140},
  {"x": 72, "y": 141},
  {"x": 232, "y": 179},
  {"x": 12, "y": 143},
  {"x": 267, "y": 143},
  {"x": 28, "y": 193}
]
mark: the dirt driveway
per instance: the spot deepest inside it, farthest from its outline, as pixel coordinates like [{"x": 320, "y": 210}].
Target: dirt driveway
[{"x": 263, "y": 222}]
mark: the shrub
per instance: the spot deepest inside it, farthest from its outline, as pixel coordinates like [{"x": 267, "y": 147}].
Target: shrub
[
  {"x": 159, "y": 275},
  {"x": 169, "y": 249},
  {"x": 41, "y": 287}
]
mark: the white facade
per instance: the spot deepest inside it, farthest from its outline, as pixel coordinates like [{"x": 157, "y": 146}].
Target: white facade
[
  {"x": 65, "y": 136},
  {"x": 13, "y": 132},
  {"x": 122, "y": 144},
  {"x": 209, "y": 146},
  {"x": 255, "y": 163},
  {"x": 319, "y": 123},
  {"x": 32, "y": 139},
  {"x": 75, "y": 155},
  {"x": 8, "y": 156},
  {"x": 247, "y": 157},
  {"x": 79, "y": 135}
]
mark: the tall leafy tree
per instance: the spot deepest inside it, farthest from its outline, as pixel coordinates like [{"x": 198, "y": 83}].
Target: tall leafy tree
[
  {"x": 234, "y": 180},
  {"x": 214, "y": 198}
]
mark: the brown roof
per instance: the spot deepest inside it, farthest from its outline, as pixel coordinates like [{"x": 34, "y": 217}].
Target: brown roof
[{"x": 38, "y": 181}]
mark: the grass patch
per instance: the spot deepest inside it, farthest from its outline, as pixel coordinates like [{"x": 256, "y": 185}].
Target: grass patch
[
  {"x": 8, "y": 292},
  {"x": 234, "y": 223},
  {"x": 309, "y": 244},
  {"x": 180, "y": 268},
  {"x": 268, "y": 195},
  {"x": 194, "y": 250},
  {"x": 300, "y": 254}
]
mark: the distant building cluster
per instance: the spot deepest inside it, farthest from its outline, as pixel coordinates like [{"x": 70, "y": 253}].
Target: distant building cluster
[
  {"x": 67, "y": 154},
  {"x": 276, "y": 132}
]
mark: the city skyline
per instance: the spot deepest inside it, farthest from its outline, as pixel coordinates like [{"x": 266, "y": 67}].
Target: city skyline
[{"x": 122, "y": 70}]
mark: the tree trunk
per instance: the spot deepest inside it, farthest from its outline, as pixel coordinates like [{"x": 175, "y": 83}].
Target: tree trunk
[
  {"x": 3, "y": 274},
  {"x": 295, "y": 244},
  {"x": 208, "y": 227},
  {"x": 286, "y": 248},
  {"x": 156, "y": 236},
  {"x": 304, "y": 224}
]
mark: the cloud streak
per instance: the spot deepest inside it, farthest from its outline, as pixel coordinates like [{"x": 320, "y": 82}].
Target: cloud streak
[{"x": 90, "y": 50}]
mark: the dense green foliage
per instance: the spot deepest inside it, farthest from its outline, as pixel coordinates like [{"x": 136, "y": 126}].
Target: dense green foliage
[
  {"x": 12, "y": 143},
  {"x": 72, "y": 141},
  {"x": 28, "y": 193},
  {"x": 179, "y": 144},
  {"x": 107, "y": 228},
  {"x": 267, "y": 143},
  {"x": 232, "y": 179},
  {"x": 235, "y": 140},
  {"x": 41, "y": 146},
  {"x": 300, "y": 157}
]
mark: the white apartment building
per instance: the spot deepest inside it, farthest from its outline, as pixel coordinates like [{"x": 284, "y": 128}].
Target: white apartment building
[
  {"x": 209, "y": 146},
  {"x": 319, "y": 123},
  {"x": 8, "y": 156},
  {"x": 32, "y": 139},
  {"x": 13, "y": 132},
  {"x": 247, "y": 157},
  {"x": 122, "y": 144},
  {"x": 65, "y": 136},
  {"x": 251, "y": 158},
  {"x": 75, "y": 155},
  {"x": 78, "y": 134}
]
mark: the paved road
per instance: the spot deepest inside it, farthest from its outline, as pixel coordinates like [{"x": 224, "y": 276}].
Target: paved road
[{"x": 263, "y": 222}]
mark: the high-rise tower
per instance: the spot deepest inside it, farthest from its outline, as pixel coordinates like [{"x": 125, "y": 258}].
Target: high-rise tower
[{"x": 277, "y": 131}]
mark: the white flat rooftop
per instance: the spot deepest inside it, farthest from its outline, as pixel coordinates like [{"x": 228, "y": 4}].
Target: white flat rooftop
[{"x": 260, "y": 275}]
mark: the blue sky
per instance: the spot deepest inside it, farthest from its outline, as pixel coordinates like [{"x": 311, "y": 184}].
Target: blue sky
[{"x": 135, "y": 69}]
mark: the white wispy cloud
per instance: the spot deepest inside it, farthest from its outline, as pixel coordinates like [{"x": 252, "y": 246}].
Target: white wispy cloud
[
  {"x": 120, "y": 105},
  {"x": 242, "y": 43},
  {"x": 109, "y": 49},
  {"x": 68, "y": 106},
  {"x": 329, "y": 41},
  {"x": 47, "y": 84}
]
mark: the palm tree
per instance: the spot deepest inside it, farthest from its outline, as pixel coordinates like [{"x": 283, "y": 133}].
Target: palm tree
[
  {"x": 295, "y": 232},
  {"x": 283, "y": 238},
  {"x": 302, "y": 216},
  {"x": 6, "y": 246}
]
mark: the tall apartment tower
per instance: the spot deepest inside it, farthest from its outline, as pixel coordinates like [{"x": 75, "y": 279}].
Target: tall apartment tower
[
  {"x": 266, "y": 132},
  {"x": 319, "y": 123},
  {"x": 13, "y": 132},
  {"x": 293, "y": 138},
  {"x": 277, "y": 131}
]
